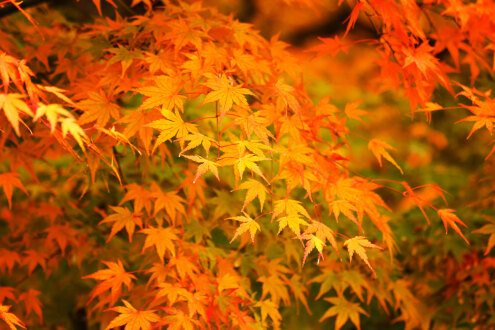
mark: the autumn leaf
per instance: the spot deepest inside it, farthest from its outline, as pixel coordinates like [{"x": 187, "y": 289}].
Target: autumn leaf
[
  {"x": 112, "y": 279},
  {"x": 488, "y": 229},
  {"x": 8, "y": 181},
  {"x": 161, "y": 238},
  {"x": 312, "y": 243},
  {"x": 12, "y": 105},
  {"x": 172, "y": 126},
  {"x": 51, "y": 112},
  {"x": 449, "y": 218},
  {"x": 379, "y": 149},
  {"x": 353, "y": 112},
  {"x": 224, "y": 91},
  {"x": 32, "y": 302},
  {"x": 98, "y": 107},
  {"x": 249, "y": 161},
  {"x": 289, "y": 207},
  {"x": 195, "y": 140},
  {"x": 357, "y": 245},
  {"x": 293, "y": 222},
  {"x": 254, "y": 189},
  {"x": 12, "y": 321},
  {"x": 123, "y": 218},
  {"x": 330, "y": 46},
  {"x": 344, "y": 310},
  {"x": 206, "y": 166},
  {"x": 248, "y": 224},
  {"x": 132, "y": 318},
  {"x": 69, "y": 125},
  {"x": 164, "y": 92},
  {"x": 268, "y": 308}
]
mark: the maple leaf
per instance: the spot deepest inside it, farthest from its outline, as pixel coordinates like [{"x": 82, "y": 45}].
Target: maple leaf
[
  {"x": 254, "y": 189},
  {"x": 142, "y": 197},
  {"x": 351, "y": 110},
  {"x": 249, "y": 162},
  {"x": 12, "y": 104},
  {"x": 32, "y": 302},
  {"x": 163, "y": 92},
  {"x": 132, "y": 318},
  {"x": 8, "y": 181},
  {"x": 161, "y": 238},
  {"x": 248, "y": 224},
  {"x": 168, "y": 201},
  {"x": 8, "y": 259},
  {"x": 357, "y": 244},
  {"x": 378, "y": 148},
  {"x": 323, "y": 233},
  {"x": 124, "y": 56},
  {"x": 11, "y": 319},
  {"x": 330, "y": 46},
  {"x": 123, "y": 218},
  {"x": 289, "y": 207},
  {"x": 344, "y": 310},
  {"x": 33, "y": 258},
  {"x": 449, "y": 218},
  {"x": 112, "y": 279},
  {"x": 269, "y": 308},
  {"x": 293, "y": 222},
  {"x": 195, "y": 140},
  {"x": 51, "y": 112},
  {"x": 225, "y": 93},
  {"x": 490, "y": 230},
  {"x": 69, "y": 125},
  {"x": 206, "y": 166},
  {"x": 172, "y": 126},
  {"x": 185, "y": 268},
  {"x": 275, "y": 286},
  {"x": 312, "y": 242},
  {"x": 98, "y": 107}
]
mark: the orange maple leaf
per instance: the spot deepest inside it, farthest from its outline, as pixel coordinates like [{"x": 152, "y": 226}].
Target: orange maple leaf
[
  {"x": 8, "y": 181},
  {"x": 32, "y": 302},
  {"x": 12, "y": 321},
  {"x": 161, "y": 238},
  {"x": 132, "y": 318},
  {"x": 164, "y": 92},
  {"x": 378, "y": 148},
  {"x": 123, "y": 218},
  {"x": 449, "y": 218},
  {"x": 225, "y": 93},
  {"x": 112, "y": 278}
]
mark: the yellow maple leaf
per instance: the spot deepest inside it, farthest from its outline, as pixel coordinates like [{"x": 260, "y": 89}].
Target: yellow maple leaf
[
  {"x": 12, "y": 104},
  {"x": 254, "y": 189},
  {"x": 172, "y": 126},
  {"x": 248, "y": 224},
  {"x": 357, "y": 245},
  {"x": 11, "y": 319},
  {"x": 206, "y": 166}
]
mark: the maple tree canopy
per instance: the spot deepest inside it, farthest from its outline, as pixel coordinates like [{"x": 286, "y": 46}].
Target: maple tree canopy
[{"x": 166, "y": 165}]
